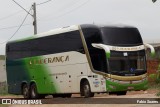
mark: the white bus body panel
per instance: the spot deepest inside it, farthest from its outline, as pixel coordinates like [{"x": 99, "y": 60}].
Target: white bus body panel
[{"x": 69, "y": 68}]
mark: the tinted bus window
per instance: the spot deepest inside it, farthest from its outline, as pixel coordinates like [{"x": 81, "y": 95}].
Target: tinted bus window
[
  {"x": 70, "y": 41},
  {"x": 98, "y": 58},
  {"x": 121, "y": 36}
]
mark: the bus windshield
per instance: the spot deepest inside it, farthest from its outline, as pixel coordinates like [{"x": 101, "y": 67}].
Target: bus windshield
[
  {"x": 127, "y": 63},
  {"x": 121, "y": 36}
]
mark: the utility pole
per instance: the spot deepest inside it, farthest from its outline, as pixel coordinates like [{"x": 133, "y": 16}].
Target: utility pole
[
  {"x": 35, "y": 18},
  {"x": 34, "y": 13}
]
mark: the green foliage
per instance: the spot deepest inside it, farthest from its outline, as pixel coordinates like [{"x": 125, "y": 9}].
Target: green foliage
[
  {"x": 156, "y": 77},
  {"x": 158, "y": 94},
  {"x": 156, "y": 82},
  {"x": 152, "y": 76},
  {"x": 157, "y": 85},
  {"x": 158, "y": 74}
]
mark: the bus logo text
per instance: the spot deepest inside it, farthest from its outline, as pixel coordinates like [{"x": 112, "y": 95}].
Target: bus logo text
[{"x": 49, "y": 60}]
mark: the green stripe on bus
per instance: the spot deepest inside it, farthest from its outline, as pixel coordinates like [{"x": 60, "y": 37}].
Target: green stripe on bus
[
  {"x": 108, "y": 54},
  {"x": 40, "y": 74},
  {"x": 113, "y": 86}
]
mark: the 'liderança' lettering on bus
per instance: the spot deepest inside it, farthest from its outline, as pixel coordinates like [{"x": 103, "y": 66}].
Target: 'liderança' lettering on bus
[{"x": 49, "y": 60}]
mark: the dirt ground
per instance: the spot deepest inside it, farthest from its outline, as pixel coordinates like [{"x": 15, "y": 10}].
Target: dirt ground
[{"x": 133, "y": 94}]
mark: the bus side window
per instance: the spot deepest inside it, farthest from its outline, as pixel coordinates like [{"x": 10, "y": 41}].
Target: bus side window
[{"x": 98, "y": 59}]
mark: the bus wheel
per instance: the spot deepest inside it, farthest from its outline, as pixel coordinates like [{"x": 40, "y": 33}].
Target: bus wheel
[
  {"x": 25, "y": 91},
  {"x": 121, "y": 93},
  {"x": 87, "y": 90},
  {"x": 34, "y": 93}
]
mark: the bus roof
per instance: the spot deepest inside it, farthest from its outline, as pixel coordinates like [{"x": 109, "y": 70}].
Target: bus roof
[
  {"x": 58, "y": 31},
  {"x": 69, "y": 29},
  {"x": 50, "y": 32}
]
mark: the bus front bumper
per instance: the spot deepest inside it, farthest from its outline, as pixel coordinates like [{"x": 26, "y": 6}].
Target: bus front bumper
[{"x": 112, "y": 86}]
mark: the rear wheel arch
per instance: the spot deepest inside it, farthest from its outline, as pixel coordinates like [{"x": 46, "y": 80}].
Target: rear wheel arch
[
  {"x": 33, "y": 82},
  {"x": 22, "y": 84},
  {"x": 25, "y": 90},
  {"x": 34, "y": 91}
]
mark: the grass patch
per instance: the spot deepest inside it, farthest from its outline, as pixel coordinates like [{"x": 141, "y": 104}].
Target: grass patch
[
  {"x": 155, "y": 85},
  {"x": 158, "y": 87}
]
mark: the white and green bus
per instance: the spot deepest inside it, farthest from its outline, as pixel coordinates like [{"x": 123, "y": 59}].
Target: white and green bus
[{"x": 84, "y": 59}]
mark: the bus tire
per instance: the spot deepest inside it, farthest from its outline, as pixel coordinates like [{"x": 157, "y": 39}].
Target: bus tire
[
  {"x": 86, "y": 90},
  {"x": 25, "y": 91},
  {"x": 33, "y": 92}
]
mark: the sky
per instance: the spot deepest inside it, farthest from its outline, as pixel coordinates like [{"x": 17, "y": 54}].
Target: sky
[{"x": 143, "y": 14}]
